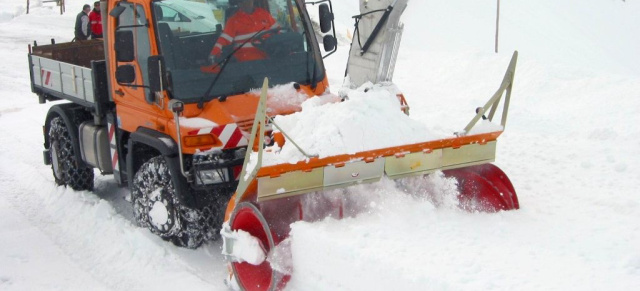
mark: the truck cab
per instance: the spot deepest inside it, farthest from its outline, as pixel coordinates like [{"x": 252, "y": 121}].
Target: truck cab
[{"x": 160, "y": 51}]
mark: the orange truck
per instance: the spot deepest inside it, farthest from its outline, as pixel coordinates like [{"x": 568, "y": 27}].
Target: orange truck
[
  {"x": 150, "y": 105},
  {"x": 151, "y": 65}
]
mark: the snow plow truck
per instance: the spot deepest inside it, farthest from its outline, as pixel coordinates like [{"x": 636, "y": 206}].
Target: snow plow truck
[{"x": 185, "y": 132}]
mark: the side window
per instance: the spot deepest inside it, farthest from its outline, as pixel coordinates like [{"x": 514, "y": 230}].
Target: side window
[
  {"x": 170, "y": 15},
  {"x": 287, "y": 14},
  {"x": 126, "y": 18},
  {"x": 141, "y": 34},
  {"x": 135, "y": 20}
]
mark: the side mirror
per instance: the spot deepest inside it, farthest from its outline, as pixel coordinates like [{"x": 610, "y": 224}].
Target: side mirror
[
  {"x": 124, "y": 46},
  {"x": 125, "y": 74},
  {"x": 157, "y": 73},
  {"x": 116, "y": 11},
  {"x": 326, "y": 18},
  {"x": 329, "y": 42}
]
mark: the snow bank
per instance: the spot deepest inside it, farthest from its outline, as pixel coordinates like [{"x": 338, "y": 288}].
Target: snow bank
[{"x": 6, "y": 16}]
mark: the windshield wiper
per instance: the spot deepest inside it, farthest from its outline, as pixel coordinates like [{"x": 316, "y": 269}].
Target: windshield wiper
[
  {"x": 223, "y": 64},
  {"x": 314, "y": 83},
  {"x": 311, "y": 57}
]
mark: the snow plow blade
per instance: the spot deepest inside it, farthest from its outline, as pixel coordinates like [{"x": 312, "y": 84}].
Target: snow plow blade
[
  {"x": 269, "y": 198},
  {"x": 274, "y": 182}
]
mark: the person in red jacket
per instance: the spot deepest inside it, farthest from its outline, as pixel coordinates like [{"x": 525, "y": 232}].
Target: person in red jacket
[
  {"x": 96, "y": 21},
  {"x": 243, "y": 25}
]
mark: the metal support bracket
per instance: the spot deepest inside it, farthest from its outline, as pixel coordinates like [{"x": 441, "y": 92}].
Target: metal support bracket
[{"x": 492, "y": 104}]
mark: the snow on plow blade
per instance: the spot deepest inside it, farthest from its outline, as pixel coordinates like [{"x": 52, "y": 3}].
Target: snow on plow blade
[{"x": 270, "y": 198}]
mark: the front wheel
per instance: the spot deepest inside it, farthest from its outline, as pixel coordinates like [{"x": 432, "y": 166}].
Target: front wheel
[{"x": 156, "y": 206}]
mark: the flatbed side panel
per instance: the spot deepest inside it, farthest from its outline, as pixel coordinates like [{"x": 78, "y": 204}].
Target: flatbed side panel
[
  {"x": 63, "y": 80},
  {"x": 73, "y": 81},
  {"x": 47, "y": 74}
]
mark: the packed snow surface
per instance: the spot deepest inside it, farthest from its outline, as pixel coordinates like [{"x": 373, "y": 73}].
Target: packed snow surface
[{"x": 570, "y": 148}]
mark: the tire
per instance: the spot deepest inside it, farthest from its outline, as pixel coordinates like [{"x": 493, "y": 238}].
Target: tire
[
  {"x": 66, "y": 169},
  {"x": 156, "y": 207}
]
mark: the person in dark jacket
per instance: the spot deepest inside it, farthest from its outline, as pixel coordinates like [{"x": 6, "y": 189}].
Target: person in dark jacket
[
  {"x": 96, "y": 21},
  {"x": 82, "y": 29}
]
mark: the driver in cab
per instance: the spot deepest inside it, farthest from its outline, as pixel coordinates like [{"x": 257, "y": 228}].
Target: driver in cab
[{"x": 241, "y": 27}]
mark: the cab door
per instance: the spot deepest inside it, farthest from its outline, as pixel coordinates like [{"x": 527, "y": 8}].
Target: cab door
[{"x": 132, "y": 46}]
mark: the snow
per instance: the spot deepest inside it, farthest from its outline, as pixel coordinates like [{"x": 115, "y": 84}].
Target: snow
[
  {"x": 158, "y": 214},
  {"x": 196, "y": 122},
  {"x": 245, "y": 248},
  {"x": 284, "y": 97},
  {"x": 343, "y": 126},
  {"x": 570, "y": 148}
]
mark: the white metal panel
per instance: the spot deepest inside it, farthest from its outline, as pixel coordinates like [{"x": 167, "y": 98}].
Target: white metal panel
[
  {"x": 87, "y": 79},
  {"x": 36, "y": 70},
  {"x": 50, "y": 74},
  {"x": 71, "y": 81},
  {"x": 289, "y": 184},
  {"x": 378, "y": 63},
  {"x": 414, "y": 163},
  {"x": 353, "y": 173},
  {"x": 469, "y": 155}
]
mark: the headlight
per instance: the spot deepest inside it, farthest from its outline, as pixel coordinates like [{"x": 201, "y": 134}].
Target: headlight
[{"x": 213, "y": 176}]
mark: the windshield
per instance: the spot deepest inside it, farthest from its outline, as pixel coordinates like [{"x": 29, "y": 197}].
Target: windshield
[{"x": 264, "y": 38}]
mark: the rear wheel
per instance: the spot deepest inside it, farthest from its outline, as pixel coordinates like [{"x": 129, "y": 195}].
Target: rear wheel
[
  {"x": 156, "y": 206},
  {"x": 66, "y": 169}
]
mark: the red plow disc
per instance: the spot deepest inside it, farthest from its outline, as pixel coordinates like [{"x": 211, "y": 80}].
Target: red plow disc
[
  {"x": 256, "y": 277},
  {"x": 484, "y": 188}
]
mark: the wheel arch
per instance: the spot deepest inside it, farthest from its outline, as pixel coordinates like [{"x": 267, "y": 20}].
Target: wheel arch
[{"x": 72, "y": 115}]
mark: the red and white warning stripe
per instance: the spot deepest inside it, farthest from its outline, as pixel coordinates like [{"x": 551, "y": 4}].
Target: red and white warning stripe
[
  {"x": 229, "y": 134},
  {"x": 45, "y": 76},
  {"x": 112, "y": 145}
]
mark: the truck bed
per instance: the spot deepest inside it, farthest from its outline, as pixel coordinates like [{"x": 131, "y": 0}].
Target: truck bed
[
  {"x": 79, "y": 53},
  {"x": 74, "y": 71}
]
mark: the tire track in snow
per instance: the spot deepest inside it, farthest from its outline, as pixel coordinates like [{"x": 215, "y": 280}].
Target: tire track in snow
[{"x": 86, "y": 229}]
